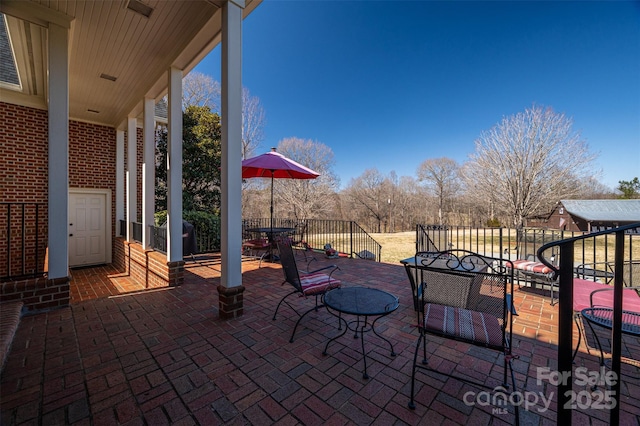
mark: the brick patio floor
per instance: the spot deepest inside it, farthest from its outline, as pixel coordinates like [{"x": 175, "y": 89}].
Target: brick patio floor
[{"x": 123, "y": 355}]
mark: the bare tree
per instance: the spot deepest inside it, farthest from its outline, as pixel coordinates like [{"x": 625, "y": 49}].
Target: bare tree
[
  {"x": 307, "y": 198},
  {"x": 593, "y": 189},
  {"x": 202, "y": 90},
  {"x": 441, "y": 178},
  {"x": 199, "y": 89},
  {"x": 368, "y": 193},
  {"x": 527, "y": 162},
  {"x": 253, "y": 122}
]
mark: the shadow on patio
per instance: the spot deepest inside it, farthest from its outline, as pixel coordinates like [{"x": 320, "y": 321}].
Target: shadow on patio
[{"x": 163, "y": 357}]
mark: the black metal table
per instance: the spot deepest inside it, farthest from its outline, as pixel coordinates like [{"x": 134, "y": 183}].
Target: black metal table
[
  {"x": 594, "y": 274},
  {"x": 604, "y": 318},
  {"x": 270, "y": 232},
  {"x": 362, "y": 302}
]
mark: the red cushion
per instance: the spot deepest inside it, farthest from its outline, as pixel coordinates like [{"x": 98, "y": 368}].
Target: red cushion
[
  {"x": 582, "y": 291},
  {"x": 317, "y": 283},
  {"x": 464, "y": 324},
  {"x": 528, "y": 265},
  {"x": 256, "y": 244}
]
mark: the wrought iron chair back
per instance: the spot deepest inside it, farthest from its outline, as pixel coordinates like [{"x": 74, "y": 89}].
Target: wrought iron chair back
[
  {"x": 305, "y": 283},
  {"x": 631, "y": 273},
  {"x": 288, "y": 262}
]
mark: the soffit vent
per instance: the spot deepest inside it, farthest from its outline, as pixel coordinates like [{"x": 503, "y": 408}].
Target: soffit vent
[
  {"x": 108, "y": 77},
  {"x": 139, "y": 7}
]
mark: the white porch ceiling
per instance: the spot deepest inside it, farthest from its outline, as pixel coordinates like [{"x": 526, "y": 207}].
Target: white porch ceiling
[{"x": 108, "y": 38}]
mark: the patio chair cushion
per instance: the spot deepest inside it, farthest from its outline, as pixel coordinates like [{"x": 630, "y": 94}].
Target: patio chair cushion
[
  {"x": 256, "y": 244},
  {"x": 531, "y": 266},
  {"x": 317, "y": 283},
  {"x": 582, "y": 290},
  {"x": 462, "y": 323}
]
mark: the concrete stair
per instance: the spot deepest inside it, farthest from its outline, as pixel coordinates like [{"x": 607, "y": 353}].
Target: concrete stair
[{"x": 10, "y": 313}]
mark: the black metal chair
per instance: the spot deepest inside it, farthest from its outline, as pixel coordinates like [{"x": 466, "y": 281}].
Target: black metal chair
[
  {"x": 255, "y": 248},
  {"x": 463, "y": 296},
  {"x": 597, "y": 299},
  {"x": 305, "y": 284}
]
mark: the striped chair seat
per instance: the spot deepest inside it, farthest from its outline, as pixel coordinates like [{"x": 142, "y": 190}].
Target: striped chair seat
[
  {"x": 317, "y": 283},
  {"x": 531, "y": 266},
  {"x": 473, "y": 326},
  {"x": 256, "y": 244}
]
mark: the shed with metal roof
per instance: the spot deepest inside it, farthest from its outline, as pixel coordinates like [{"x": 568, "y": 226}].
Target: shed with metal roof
[{"x": 593, "y": 215}]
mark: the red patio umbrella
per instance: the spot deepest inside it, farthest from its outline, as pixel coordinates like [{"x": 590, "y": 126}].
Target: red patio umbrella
[{"x": 275, "y": 165}]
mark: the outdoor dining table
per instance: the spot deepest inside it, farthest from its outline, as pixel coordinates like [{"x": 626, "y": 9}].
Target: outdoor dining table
[{"x": 270, "y": 233}]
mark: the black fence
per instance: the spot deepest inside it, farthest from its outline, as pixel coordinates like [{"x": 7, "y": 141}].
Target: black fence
[
  {"x": 122, "y": 226},
  {"x": 346, "y": 237},
  {"x": 207, "y": 236},
  {"x": 510, "y": 243},
  {"x": 137, "y": 231},
  {"x": 23, "y": 239},
  {"x": 159, "y": 238}
]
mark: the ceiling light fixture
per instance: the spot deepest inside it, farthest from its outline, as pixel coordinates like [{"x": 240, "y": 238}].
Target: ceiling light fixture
[{"x": 139, "y": 7}]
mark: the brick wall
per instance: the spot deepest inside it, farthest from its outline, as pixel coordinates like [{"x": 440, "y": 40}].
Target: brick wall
[
  {"x": 24, "y": 168},
  {"x": 92, "y": 160},
  {"x": 147, "y": 267},
  {"x": 24, "y": 178},
  {"x": 23, "y": 154},
  {"x": 37, "y": 294}
]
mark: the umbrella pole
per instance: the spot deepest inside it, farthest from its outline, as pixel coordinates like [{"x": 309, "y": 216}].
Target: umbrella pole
[{"x": 271, "y": 223}]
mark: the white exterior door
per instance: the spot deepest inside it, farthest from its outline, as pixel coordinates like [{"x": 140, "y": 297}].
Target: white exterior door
[{"x": 88, "y": 228}]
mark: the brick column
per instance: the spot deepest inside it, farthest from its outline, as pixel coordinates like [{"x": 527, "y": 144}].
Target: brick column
[
  {"x": 230, "y": 301},
  {"x": 176, "y": 273}
]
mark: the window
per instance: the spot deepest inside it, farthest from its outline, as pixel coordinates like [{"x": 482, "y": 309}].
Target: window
[{"x": 8, "y": 69}]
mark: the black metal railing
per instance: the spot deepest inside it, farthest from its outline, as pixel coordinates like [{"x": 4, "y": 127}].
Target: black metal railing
[
  {"x": 158, "y": 238},
  {"x": 122, "y": 226},
  {"x": 23, "y": 233},
  {"x": 425, "y": 236},
  {"x": 137, "y": 231},
  {"x": 207, "y": 235},
  {"x": 622, "y": 248},
  {"x": 344, "y": 236},
  {"x": 510, "y": 243}
]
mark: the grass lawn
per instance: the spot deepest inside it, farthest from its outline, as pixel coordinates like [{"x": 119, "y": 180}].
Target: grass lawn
[{"x": 396, "y": 246}]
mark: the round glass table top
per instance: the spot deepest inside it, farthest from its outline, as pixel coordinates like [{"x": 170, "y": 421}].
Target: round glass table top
[{"x": 361, "y": 301}]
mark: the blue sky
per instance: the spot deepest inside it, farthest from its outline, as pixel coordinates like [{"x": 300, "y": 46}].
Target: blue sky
[{"x": 390, "y": 84}]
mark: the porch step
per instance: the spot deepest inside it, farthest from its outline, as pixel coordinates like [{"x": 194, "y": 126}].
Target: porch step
[{"x": 9, "y": 320}]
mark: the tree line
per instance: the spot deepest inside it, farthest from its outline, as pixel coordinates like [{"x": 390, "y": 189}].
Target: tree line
[{"x": 520, "y": 168}]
